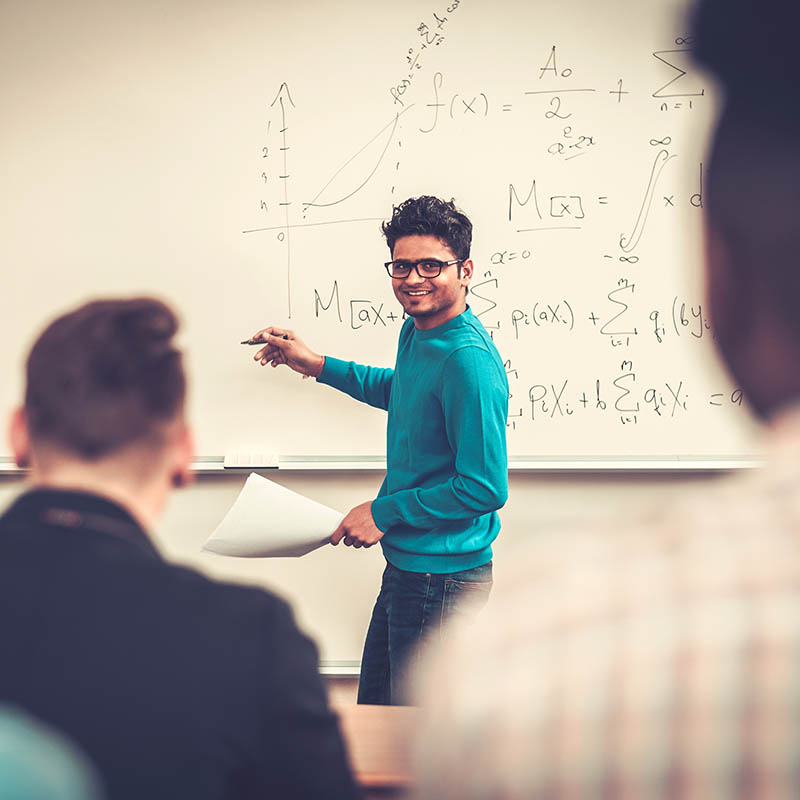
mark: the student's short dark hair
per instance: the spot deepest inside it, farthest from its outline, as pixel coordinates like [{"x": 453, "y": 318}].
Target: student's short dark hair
[
  {"x": 105, "y": 376},
  {"x": 752, "y": 194},
  {"x": 430, "y": 216},
  {"x": 750, "y": 46}
]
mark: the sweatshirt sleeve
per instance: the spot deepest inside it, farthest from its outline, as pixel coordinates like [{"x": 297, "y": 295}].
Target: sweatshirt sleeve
[
  {"x": 474, "y": 396},
  {"x": 371, "y": 385}
]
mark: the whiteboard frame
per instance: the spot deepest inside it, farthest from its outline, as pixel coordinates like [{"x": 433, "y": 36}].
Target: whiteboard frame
[{"x": 214, "y": 465}]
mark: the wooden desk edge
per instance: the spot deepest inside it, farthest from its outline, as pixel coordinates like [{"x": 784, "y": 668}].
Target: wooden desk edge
[
  {"x": 382, "y": 780},
  {"x": 379, "y": 761}
]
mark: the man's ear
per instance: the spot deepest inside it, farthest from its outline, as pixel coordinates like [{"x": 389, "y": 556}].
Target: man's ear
[
  {"x": 467, "y": 269},
  {"x": 181, "y": 474},
  {"x": 19, "y": 439}
]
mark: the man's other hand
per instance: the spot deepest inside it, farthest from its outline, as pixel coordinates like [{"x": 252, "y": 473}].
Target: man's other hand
[{"x": 358, "y": 528}]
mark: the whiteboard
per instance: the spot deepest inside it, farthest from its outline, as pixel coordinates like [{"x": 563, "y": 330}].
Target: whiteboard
[{"x": 236, "y": 159}]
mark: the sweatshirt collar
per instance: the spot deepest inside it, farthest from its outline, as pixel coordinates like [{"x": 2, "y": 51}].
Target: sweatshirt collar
[{"x": 445, "y": 327}]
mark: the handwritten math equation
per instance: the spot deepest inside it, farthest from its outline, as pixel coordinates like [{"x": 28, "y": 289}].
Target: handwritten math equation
[
  {"x": 560, "y": 101},
  {"x": 615, "y": 318},
  {"x": 571, "y": 264},
  {"x": 430, "y": 33},
  {"x": 623, "y": 397}
]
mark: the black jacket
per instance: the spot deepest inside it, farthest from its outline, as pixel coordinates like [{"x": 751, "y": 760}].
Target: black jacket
[{"x": 174, "y": 685}]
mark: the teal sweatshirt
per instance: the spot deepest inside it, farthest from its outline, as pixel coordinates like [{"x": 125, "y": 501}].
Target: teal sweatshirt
[{"x": 447, "y": 469}]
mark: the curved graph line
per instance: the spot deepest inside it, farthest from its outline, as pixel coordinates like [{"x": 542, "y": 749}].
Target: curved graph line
[
  {"x": 630, "y": 243},
  {"x": 393, "y": 124}
]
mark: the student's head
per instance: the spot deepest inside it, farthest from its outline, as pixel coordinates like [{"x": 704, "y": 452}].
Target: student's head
[
  {"x": 37, "y": 762},
  {"x": 104, "y": 397},
  {"x": 753, "y": 193},
  {"x": 429, "y": 241}
]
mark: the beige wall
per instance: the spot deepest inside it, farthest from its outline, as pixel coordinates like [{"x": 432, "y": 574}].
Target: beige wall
[{"x": 332, "y": 589}]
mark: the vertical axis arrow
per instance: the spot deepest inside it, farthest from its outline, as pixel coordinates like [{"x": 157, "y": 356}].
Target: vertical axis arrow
[{"x": 282, "y": 98}]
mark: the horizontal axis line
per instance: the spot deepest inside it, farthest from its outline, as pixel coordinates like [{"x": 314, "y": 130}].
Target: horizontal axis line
[{"x": 312, "y": 224}]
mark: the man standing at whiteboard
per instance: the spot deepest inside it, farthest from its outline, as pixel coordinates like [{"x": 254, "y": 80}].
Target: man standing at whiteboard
[{"x": 447, "y": 401}]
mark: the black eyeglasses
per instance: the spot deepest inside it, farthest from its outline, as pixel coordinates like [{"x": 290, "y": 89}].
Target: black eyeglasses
[{"x": 426, "y": 267}]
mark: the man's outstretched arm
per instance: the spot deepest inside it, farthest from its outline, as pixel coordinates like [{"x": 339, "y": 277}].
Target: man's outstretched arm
[{"x": 371, "y": 385}]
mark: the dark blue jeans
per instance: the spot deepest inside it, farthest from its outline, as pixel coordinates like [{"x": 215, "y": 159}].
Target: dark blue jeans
[{"x": 411, "y": 608}]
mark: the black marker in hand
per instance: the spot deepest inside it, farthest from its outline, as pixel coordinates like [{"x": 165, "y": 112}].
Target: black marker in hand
[
  {"x": 280, "y": 346},
  {"x": 259, "y": 341}
]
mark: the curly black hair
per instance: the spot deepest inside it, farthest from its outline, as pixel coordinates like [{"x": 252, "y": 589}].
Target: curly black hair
[{"x": 430, "y": 216}]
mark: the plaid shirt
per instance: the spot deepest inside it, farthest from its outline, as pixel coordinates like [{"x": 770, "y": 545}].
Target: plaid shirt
[{"x": 659, "y": 661}]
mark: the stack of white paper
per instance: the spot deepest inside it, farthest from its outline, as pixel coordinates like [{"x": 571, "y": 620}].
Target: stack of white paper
[{"x": 268, "y": 520}]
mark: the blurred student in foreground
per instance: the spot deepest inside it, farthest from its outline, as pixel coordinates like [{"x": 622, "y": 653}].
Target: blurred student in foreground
[
  {"x": 173, "y": 685},
  {"x": 37, "y": 763},
  {"x": 664, "y": 662}
]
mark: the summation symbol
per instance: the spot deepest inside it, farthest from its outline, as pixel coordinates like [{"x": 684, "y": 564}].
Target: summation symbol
[
  {"x": 628, "y": 408},
  {"x": 674, "y": 55},
  {"x": 614, "y": 328},
  {"x": 491, "y": 304}
]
